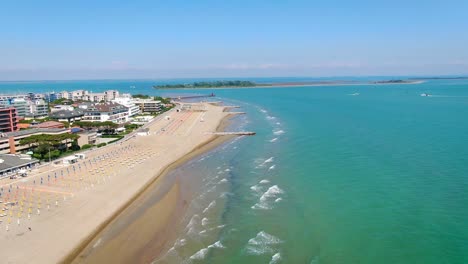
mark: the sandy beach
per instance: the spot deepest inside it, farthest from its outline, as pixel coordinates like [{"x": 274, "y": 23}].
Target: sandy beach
[{"x": 54, "y": 214}]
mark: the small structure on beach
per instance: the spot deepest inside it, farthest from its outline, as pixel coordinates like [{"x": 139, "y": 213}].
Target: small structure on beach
[
  {"x": 70, "y": 160},
  {"x": 143, "y": 132}
]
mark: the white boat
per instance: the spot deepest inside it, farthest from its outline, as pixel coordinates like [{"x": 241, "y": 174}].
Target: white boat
[{"x": 425, "y": 94}]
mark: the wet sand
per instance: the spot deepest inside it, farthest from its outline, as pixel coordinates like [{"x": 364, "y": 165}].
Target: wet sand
[
  {"x": 99, "y": 188},
  {"x": 143, "y": 229}
]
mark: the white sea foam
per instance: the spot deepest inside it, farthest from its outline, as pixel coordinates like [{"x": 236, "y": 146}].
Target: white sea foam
[
  {"x": 180, "y": 242},
  {"x": 204, "y": 221},
  {"x": 211, "y": 205},
  {"x": 275, "y": 258},
  {"x": 273, "y": 140},
  {"x": 267, "y": 197},
  {"x": 270, "y": 117},
  {"x": 224, "y": 194},
  {"x": 278, "y": 123},
  {"x": 263, "y": 110},
  {"x": 278, "y": 200},
  {"x": 264, "y": 181},
  {"x": 278, "y": 132},
  {"x": 262, "y": 243},
  {"x": 200, "y": 254},
  {"x": 216, "y": 244},
  {"x": 227, "y": 170},
  {"x": 223, "y": 180},
  {"x": 272, "y": 192},
  {"x": 202, "y": 232},
  {"x": 272, "y": 167},
  {"x": 256, "y": 188},
  {"x": 193, "y": 221},
  {"x": 269, "y": 160}
]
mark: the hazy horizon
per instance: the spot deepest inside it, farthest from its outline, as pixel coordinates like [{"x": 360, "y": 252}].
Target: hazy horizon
[{"x": 56, "y": 40}]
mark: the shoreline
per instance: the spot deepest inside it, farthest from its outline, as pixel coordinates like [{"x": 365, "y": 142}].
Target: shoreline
[{"x": 158, "y": 180}]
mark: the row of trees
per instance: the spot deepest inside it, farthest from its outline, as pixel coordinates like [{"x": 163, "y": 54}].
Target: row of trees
[
  {"x": 157, "y": 98},
  {"x": 214, "y": 84},
  {"x": 50, "y": 146}
]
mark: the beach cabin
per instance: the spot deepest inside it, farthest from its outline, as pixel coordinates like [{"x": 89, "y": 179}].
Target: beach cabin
[
  {"x": 70, "y": 160},
  {"x": 143, "y": 132},
  {"x": 80, "y": 156}
]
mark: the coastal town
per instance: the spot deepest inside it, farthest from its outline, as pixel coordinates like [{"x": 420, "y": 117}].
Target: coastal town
[
  {"x": 71, "y": 161},
  {"x": 31, "y": 124}
]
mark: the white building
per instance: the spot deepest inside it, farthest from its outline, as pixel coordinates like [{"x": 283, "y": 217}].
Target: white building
[
  {"x": 61, "y": 107},
  {"x": 39, "y": 108},
  {"x": 148, "y": 105},
  {"x": 108, "y": 111},
  {"x": 133, "y": 109},
  {"x": 79, "y": 95}
]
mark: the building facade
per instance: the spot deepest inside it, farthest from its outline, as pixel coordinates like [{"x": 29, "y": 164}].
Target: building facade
[
  {"x": 108, "y": 111},
  {"x": 133, "y": 109},
  {"x": 8, "y": 119},
  {"x": 10, "y": 142},
  {"x": 39, "y": 108},
  {"x": 148, "y": 105}
]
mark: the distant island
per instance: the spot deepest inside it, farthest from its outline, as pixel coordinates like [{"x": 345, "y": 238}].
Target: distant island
[
  {"x": 250, "y": 84},
  {"x": 214, "y": 84},
  {"x": 397, "y": 81}
]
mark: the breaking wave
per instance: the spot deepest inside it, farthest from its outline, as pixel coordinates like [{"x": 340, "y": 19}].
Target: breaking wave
[
  {"x": 201, "y": 254},
  {"x": 262, "y": 243},
  {"x": 266, "y": 199},
  {"x": 211, "y": 205},
  {"x": 275, "y": 258},
  {"x": 278, "y": 132}
]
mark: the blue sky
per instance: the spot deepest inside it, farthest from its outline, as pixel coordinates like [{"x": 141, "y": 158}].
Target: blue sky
[{"x": 166, "y": 39}]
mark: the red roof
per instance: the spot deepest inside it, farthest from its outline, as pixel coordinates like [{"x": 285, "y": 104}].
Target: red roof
[{"x": 50, "y": 124}]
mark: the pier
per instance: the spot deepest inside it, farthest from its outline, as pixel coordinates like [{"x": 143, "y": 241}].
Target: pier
[
  {"x": 192, "y": 96},
  {"x": 240, "y": 133}
]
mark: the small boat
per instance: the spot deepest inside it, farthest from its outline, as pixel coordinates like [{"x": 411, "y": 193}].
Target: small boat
[
  {"x": 425, "y": 94},
  {"x": 355, "y": 94}
]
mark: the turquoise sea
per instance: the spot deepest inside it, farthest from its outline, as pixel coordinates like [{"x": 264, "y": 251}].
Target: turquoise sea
[{"x": 330, "y": 177}]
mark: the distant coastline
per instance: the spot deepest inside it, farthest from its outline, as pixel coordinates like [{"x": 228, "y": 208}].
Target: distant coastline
[{"x": 239, "y": 84}]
